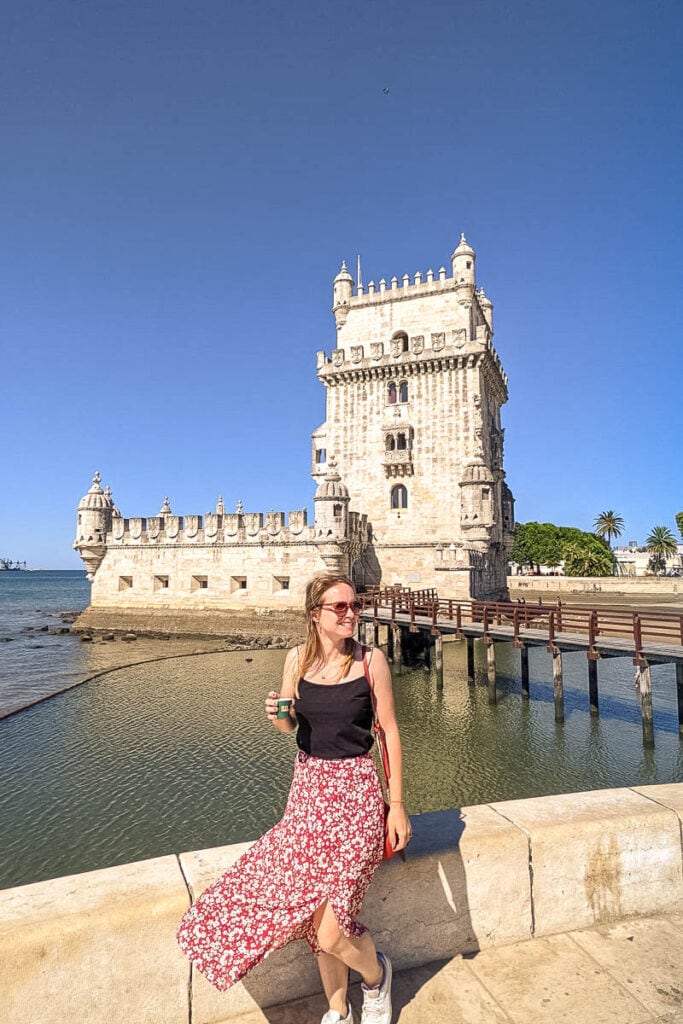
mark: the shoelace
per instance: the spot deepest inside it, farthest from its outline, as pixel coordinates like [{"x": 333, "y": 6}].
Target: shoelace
[{"x": 373, "y": 1009}]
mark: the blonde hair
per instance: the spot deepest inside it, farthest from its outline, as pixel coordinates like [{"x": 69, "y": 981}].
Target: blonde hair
[{"x": 313, "y": 649}]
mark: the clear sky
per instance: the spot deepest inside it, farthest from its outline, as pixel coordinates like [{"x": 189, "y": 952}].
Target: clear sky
[{"x": 180, "y": 179}]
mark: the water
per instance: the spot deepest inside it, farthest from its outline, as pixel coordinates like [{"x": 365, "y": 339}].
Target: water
[{"x": 177, "y": 754}]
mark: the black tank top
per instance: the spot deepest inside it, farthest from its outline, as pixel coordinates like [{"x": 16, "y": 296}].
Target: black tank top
[{"x": 334, "y": 721}]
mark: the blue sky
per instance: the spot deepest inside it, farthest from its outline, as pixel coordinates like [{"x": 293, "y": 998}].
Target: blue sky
[{"x": 180, "y": 180}]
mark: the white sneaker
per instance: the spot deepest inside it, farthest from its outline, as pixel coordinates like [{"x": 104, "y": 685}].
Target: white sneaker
[
  {"x": 333, "y": 1017},
  {"x": 377, "y": 1001}
]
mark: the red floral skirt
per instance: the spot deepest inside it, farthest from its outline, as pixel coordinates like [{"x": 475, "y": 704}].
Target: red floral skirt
[{"x": 326, "y": 847}]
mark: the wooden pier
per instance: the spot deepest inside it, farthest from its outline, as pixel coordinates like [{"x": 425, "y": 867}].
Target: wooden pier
[{"x": 647, "y": 637}]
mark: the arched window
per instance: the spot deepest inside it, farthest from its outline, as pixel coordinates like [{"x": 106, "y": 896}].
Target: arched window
[
  {"x": 399, "y": 496},
  {"x": 337, "y": 511},
  {"x": 390, "y": 443},
  {"x": 392, "y": 393},
  {"x": 401, "y": 442},
  {"x": 403, "y": 391}
]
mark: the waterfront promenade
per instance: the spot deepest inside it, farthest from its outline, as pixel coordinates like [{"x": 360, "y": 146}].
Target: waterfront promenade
[{"x": 630, "y": 972}]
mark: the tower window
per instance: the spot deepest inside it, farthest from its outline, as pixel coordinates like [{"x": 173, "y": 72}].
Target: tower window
[
  {"x": 237, "y": 584},
  {"x": 337, "y": 511},
  {"x": 401, "y": 442},
  {"x": 485, "y": 494},
  {"x": 320, "y": 456},
  {"x": 389, "y": 443},
  {"x": 161, "y": 582},
  {"x": 392, "y": 394},
  {"x": 399, "y": 496},
  {"x": 199, "y": 583},
  {"x": 403, "y": 391},
  {"x": 125, "y": 582},
  {"x": 401, "y": 341}
]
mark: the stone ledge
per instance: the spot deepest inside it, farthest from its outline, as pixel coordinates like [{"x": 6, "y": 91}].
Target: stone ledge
[{"x": 100, "y": 947}]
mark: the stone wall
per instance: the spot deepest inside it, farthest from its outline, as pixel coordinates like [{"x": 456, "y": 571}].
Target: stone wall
[
  {"x": 263, "y": 626},
  {"x": 99, "y": 947},
  {"x": 625, "y": 588}
]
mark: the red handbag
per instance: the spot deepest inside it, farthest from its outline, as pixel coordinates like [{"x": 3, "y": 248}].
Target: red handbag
[{"x": 380, "y": 736}]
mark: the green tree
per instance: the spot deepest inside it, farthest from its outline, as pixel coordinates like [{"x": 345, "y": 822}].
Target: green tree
[
  {"x": 661, "y": 544},
  {"x": 609, "y": 525},
  {"x": 679, "y": 523},
  {"x": 547, "y": 544},
  {"x": 581, "y": 560}
]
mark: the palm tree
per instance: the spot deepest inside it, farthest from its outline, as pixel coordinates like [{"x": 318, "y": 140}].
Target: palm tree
[
  {"x": 661, "y": 544},
  {"x": 609, "y": 524}
]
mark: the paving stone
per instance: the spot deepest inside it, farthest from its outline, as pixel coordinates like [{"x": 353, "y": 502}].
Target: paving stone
[
  {"x": 645, "y": 956},
  {"x": 553, "y": 981}
]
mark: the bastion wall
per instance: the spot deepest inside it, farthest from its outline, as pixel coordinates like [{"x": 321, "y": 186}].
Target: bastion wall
[{"x": 100, "y": 947}]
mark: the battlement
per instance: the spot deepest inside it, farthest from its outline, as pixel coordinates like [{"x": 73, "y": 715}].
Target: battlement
[
  {"x": 228, "y": 528},
  {"x": 419, "y": 353},
  {"x": 399, "y": 290}
]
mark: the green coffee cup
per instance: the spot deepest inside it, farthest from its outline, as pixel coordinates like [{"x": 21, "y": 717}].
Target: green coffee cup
[{"x": 283, "y": 706}]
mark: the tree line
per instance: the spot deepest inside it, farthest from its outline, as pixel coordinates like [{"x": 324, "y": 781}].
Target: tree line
[{"x": 588, "y": 554}]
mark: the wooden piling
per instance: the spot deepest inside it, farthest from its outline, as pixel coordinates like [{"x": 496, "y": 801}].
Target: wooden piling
[
  {"x": 593, "y": 686},
  {"x": 558, "y": 686},
  {"x": 644, "y": 685},
  {"x": 470, "y": 660},
  {"x": 491, "y": 671},
  {"x": 397, "y": 645},
  {"x": 433, "y": 675},
  {"x": 679, "y": 694},
  {"x": 524, "y": 653},
  {"x": 438, "y": 661}
]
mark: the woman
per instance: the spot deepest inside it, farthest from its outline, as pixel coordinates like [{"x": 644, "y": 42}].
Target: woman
[{"x": 306, "y": 877}]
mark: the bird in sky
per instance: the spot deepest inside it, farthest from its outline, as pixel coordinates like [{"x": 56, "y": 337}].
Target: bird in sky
[{"x": 385, "y": 90}]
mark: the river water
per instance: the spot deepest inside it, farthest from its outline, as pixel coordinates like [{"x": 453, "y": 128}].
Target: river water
[{"x": 177, "y": 754}]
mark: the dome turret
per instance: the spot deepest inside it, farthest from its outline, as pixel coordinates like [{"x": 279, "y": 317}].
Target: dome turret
[
  {"x": 95, "y": 511},
  {"x": 331, "y": 504},
  {"x": 96, "y": 498},
  {"x": 342, "y": 292},
  {"x": 463, "y": 260}
]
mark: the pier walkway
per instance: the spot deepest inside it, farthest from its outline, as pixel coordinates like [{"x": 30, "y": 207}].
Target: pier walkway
[
  {"x": 629, "y": 972},
  {"x": 647, "y": 637}
]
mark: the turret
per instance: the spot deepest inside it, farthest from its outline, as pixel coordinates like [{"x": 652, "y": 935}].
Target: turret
[
  {"x": 331, "y": 503},
  {"x": 463, "y": 260},
  {"x": 486, "y": 307},
  {"x": 342, "y": 291},
  {"x": 95, "y": 511}
]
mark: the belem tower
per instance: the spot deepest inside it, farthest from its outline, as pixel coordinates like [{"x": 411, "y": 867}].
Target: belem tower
[{"x": 408, "y": 468}]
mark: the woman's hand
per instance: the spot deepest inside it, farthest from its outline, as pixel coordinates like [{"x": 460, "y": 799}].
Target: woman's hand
[
  {"x": 398, "y": 826},
  {"x": 285, "y": 725},
  {"x": 271, "y": 705}
]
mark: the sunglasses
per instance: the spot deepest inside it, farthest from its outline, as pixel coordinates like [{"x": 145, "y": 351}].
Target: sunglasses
[{"x": 342, "y": 607}]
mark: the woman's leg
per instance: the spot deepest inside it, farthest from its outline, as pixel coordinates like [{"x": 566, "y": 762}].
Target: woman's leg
[
  {"x": 358, "y": 954},
  {"x": 335, "y": 979}
]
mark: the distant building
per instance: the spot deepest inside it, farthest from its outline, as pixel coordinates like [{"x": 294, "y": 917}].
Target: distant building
[
  {"x": 408, "y": 466},
  {"x": 634, "y": 561}
]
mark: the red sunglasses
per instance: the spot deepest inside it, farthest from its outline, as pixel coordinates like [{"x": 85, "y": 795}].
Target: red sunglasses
[{"x": 342, "y": 607}]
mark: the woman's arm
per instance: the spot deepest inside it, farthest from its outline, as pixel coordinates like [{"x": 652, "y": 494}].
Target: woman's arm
[
  {"x": 289, "y": 674},
  {"x": 399, "y": 825}
]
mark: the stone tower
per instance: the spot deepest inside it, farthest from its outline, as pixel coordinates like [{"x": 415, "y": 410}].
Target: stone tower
[{"x": 414, "y": 391}]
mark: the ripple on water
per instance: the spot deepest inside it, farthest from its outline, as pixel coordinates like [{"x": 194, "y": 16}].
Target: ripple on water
[{"x": 177, "y": 755}]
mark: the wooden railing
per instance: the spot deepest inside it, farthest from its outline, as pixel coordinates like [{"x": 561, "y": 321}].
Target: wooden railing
[{"x": 641, "y": 627}]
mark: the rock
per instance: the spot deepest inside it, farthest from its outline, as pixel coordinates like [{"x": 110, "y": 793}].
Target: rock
[
  {"x": 62, "y": 630},
  {"x": 6, "y": 639},
  {"x": 108, "y": 636},
  {"x": 42, "y": 629},
  {"x": 129, "y": 636},
  {"x": 86, "y": 638}
]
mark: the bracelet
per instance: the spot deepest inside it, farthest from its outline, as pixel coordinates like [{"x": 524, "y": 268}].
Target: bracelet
[{"x": 396, "y": 801}]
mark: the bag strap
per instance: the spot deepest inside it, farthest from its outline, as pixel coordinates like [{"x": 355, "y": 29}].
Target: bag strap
[{"x": 377, "y": 725}]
